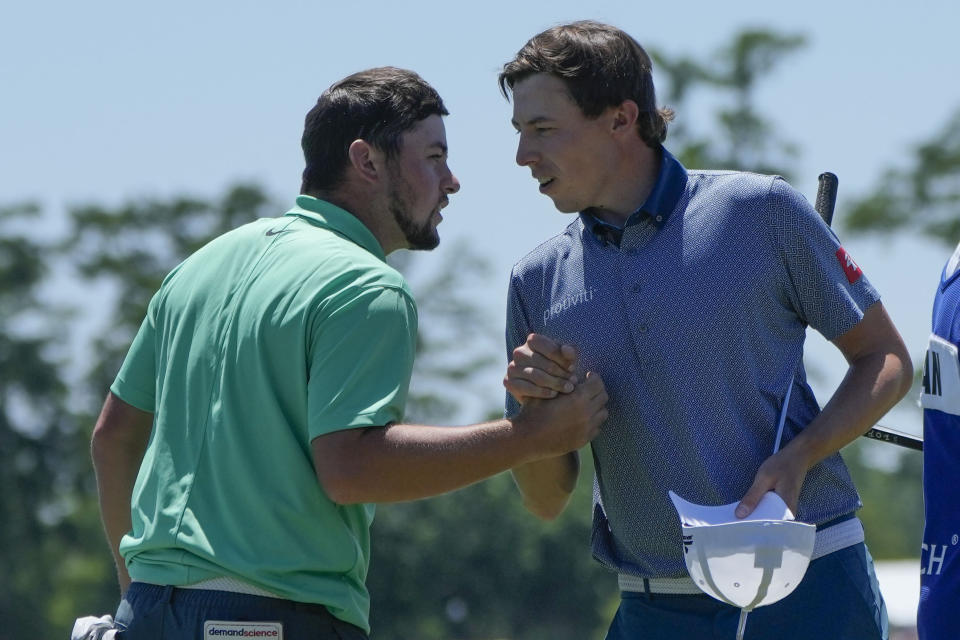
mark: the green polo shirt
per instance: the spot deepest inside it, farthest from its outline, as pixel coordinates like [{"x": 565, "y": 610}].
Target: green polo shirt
[{"x": 275, "y": 333}]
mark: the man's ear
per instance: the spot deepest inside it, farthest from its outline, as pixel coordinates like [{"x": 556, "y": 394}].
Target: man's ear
[
  {"x": 365, "y": 159},
  {"x": 625, "y": 117}
]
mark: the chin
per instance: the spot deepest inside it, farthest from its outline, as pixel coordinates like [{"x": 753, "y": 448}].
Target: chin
[
  {"x": 567, "y": 207},
  {"x": 423, "y": 243}
]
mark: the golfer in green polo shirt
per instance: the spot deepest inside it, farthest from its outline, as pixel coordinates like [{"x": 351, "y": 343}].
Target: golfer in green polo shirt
[{"x": 258, "y": 415}]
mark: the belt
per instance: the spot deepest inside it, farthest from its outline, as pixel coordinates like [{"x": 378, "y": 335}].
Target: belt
[
  {"x": 675, "y": 586},
  {"x": 205, "y": 591},
  {"x": 232, "y": 585}
]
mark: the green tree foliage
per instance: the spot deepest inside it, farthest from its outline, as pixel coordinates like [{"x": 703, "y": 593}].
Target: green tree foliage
[
  {"x": 890, "y": 484},
  {"x": 43, "y": 452},
  {"x": 741, "y": 137},
  {"x": 474, "y": 564},
  {"x": 923, "y": 196}
]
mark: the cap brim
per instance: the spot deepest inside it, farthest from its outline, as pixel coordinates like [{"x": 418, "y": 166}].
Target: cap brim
[{"x": 771, "y": 507}]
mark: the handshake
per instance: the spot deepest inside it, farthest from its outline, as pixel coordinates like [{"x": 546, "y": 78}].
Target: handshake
[{"x": 564, "y": 411}]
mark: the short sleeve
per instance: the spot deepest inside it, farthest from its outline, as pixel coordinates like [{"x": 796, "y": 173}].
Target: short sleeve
[
  {"x": 517, "y": 330},
  {"x": 361, "y": 360},
  {"x": 947, "y": 299},
  {"x": 136, "y": 382},
  {"x": 822, "y": 282}
]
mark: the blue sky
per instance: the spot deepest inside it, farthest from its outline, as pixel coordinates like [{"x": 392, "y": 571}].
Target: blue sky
[{"x": 108, "y": 101}]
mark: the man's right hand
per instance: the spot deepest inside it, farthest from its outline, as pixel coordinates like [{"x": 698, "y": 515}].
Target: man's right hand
[
  {"x": 541, "y": 368},
  {"x": 567, "y": 422}
]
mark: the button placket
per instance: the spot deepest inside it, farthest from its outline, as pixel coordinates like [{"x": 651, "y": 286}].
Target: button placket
[{"x": 633, "y": 304}]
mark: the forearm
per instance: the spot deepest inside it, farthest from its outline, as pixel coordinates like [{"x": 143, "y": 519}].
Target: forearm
[
  {"x": 116, "y": 474},
  {"x": 873, "y": 384},
  {"x": 407, "y": 462},
  {"x": 878, "y": 376},
  {"x": 119, "y": 441},
  {"x": 546, "y": 484}
]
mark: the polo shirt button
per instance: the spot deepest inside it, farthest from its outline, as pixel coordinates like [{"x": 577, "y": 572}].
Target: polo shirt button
[
  {"x": 659, "y": 218},
  {"x": 642, "y": 328}
]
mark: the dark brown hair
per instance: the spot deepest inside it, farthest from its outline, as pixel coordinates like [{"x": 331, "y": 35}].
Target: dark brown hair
[
  {"x": 601, "y": 66},
  {"x": 376, "y": 105}
]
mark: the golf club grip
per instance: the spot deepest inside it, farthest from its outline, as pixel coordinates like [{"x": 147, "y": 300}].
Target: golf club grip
[
  {"x": 901, "y": 440},
  {"x": 826, "y": 196}
]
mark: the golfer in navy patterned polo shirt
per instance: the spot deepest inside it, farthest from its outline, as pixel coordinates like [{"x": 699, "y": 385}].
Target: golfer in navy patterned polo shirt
[{"x": 689, "y": 292}]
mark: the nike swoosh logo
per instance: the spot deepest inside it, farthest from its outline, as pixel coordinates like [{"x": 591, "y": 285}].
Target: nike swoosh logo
[{"x": 271, "y": 232}]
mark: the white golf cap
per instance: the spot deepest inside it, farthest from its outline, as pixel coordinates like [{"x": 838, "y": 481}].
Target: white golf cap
[{"x": 747, "y": 562}]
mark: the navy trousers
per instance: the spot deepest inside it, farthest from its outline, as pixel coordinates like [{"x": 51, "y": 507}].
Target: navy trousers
[
  {"x": 838, "y": 599},
  {"x": 151, "y": 612}
]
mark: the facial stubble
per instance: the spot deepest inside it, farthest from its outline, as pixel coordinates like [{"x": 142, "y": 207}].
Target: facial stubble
[{"x": 420, "y": 236}]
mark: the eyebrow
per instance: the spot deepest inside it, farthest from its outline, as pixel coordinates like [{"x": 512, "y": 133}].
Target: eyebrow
[
  {"x": 531, "y": 121},
  {"x": 440, "y": 145}
]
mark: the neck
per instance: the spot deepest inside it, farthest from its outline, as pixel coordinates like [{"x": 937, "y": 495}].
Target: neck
[
  {"x": 373, "y": 212},
  {"x": 632, "y": 185}
]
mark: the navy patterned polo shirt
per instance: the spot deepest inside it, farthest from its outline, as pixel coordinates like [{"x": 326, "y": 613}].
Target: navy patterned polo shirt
[{"x": 695, "y": 318}]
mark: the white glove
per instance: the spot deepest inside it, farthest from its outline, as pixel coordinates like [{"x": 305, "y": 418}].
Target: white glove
[{"x": 94, "y": 628}]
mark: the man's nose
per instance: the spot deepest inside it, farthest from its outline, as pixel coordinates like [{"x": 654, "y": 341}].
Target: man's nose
[
  {"x": 452, "y": 184},
  {"x": 526, "y": 155}
]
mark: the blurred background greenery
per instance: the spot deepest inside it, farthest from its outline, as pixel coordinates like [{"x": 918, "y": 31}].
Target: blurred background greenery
[{"x": 469, "y": 565}]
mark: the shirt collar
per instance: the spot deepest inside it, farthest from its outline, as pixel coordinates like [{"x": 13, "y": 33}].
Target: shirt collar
[
  {"x": 329, "y": 216},
  {"x": 663, "y": 198},
  {"x": 666, "y": 193}
]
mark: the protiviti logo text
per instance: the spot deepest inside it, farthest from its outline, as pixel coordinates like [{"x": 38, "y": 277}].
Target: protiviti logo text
[{"x": 581, "y": 297}]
